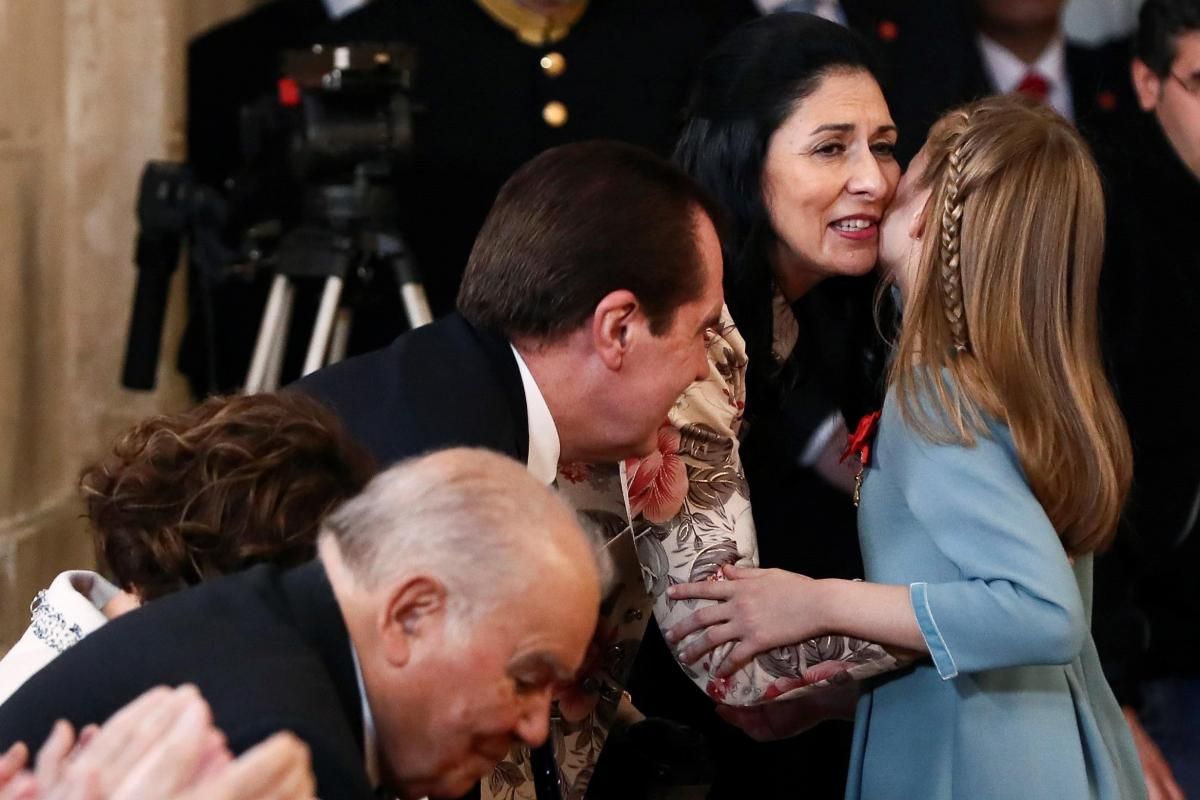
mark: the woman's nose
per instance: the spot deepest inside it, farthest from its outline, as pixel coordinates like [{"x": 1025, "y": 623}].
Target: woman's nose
[{"x": 868, "y": 177}]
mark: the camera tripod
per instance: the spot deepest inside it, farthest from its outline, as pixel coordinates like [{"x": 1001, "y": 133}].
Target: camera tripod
[{"x": 310, "y": 252}]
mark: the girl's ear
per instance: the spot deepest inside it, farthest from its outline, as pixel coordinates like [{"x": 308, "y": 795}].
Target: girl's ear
[{"x": 916, "y": 226}]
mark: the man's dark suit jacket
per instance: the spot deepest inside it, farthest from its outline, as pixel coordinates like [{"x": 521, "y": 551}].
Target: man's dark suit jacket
[
  {"x": 267, "y": 648},
  {"x": 932, "y": 64},
  {"x": 1147, "y": 598},
  {"x": 438, "y": 386}
]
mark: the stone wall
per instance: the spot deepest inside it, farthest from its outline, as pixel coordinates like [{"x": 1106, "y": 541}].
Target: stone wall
[{"x": 92, "y": 89}]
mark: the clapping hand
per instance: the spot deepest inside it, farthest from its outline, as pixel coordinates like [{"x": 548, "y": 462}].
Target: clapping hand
[{"x": 161, "y": 745}]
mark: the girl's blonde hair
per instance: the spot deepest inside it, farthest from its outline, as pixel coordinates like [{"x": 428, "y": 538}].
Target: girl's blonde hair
[{"x": 1004, "y": 301}]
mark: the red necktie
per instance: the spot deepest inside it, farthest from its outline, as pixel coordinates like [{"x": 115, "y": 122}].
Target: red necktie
[{"x": 1035, "y": 85}]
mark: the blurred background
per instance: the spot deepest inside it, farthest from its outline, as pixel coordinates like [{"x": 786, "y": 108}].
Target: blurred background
[{"x": 91, "y": 90}]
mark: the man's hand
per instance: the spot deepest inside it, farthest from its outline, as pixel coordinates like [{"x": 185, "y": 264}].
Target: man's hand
[
  {"x": 14, "y": 783},
  {"x": 780, "y": 720},
  {"x": 279, "y": 768},
  {"x": 1160, "y": 781}
]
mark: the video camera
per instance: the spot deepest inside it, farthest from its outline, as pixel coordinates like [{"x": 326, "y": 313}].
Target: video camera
[{"x": 317, "y": 195}]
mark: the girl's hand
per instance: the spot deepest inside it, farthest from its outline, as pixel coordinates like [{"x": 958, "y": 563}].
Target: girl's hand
[{"x": 759, "y": 609}]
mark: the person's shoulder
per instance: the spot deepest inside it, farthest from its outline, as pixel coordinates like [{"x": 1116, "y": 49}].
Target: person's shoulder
[
  {"x": 337, "y": 757},
  {"x": 269, "y": 22},
  {"x": 418, "y": 363},
  {"x": 236, "y": 637},
  {"x": 1109, "y": 57},
  {"x": 927, "y": 421},
  {"x": 1100, "y": 83}
]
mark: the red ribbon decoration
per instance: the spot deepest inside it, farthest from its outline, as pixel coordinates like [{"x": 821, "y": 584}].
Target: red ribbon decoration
[{"x": 859, "y": 442}]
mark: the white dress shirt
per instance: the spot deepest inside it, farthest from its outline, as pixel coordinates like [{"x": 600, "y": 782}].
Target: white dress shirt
[
  {"x": 1006, "y": 71},
  {"x": 544, "y": 445},
  {"x": 370, "y": 737},
  {"x": 340, "y": 8},
  {"x": 828, "y": 9}
]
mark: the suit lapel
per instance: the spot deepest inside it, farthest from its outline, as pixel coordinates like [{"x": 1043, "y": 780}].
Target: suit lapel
[{"x": 507, "y": 378}]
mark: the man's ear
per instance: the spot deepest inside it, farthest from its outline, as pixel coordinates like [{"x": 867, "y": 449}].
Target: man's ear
[
  {"x": 613, "y": 326},
  {"x": 1146, "y": 84},
  {"x": 414, "y": 608}
]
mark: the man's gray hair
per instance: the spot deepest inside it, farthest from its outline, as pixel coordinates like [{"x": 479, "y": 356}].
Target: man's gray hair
[{"x": 472, "y": 518}]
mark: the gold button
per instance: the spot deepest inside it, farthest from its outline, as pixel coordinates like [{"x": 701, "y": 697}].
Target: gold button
[
  {"x": 553, "y": 64},
  {"x": 555, "y": 114}
]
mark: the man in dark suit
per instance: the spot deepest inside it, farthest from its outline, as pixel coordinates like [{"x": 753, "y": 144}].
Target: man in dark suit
[
  {"x": 410, "y": 656},
  {"x": 1147, "y": 613},
  {"x": 584, "y": 313},
  {"x": 583, "y": 316},
  {"x": 942, "y": 53}
]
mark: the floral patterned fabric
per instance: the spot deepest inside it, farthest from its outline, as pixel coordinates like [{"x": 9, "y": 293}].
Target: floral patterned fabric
[{"x": 691, "y": 512}]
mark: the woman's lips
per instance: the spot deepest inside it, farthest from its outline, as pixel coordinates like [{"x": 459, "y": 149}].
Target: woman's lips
[{"x": 856, "y": 228}]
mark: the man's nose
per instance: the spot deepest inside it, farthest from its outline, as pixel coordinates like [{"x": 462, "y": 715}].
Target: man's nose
[
  {"x": 702, "y": 358},
  {"x": 702, "y": 366},
  {"x": 533, "y": 726}
]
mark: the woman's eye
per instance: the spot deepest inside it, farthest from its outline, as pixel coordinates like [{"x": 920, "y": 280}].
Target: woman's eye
[
  {"x": 830, "y": 149},
  {"x": 886, "y": 149}
]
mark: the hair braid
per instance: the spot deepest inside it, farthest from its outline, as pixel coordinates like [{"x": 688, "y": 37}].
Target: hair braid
[{"x": 951, "y": 240}]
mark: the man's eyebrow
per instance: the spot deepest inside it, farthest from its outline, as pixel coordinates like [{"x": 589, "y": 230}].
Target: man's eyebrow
[{"x": 539, "y": 661}]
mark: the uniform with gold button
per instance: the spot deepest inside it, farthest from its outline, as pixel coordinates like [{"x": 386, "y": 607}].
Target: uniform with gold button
[{"x": 553, "y": 64}]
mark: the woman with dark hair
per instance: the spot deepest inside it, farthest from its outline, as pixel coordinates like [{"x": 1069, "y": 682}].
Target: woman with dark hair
[
  {"x": 181, "y": 498},
  {"x": 790, "y": 132}
]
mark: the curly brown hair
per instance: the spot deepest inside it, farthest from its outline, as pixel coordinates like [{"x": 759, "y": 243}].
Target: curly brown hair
[{"x": 233, "y": 482}]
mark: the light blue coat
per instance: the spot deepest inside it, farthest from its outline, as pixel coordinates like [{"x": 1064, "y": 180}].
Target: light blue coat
[{"x": 1013, "y": 703}]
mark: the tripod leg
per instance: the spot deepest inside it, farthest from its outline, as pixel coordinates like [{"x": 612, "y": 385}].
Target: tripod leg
[
  {"x": 271, "y": 322},
  {"x": 279, "y": 342},
  {"x": 416, "y": 306},
  {"x": 318, "y": 345},
  {"x": 341, "y": 336}
]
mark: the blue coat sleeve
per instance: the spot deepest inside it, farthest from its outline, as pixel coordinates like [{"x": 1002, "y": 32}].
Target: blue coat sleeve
[{"x": 1016, "y": 601}]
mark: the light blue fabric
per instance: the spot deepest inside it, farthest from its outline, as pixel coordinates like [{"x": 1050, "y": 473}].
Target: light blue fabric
[{"x": 1012, "y": 703}]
